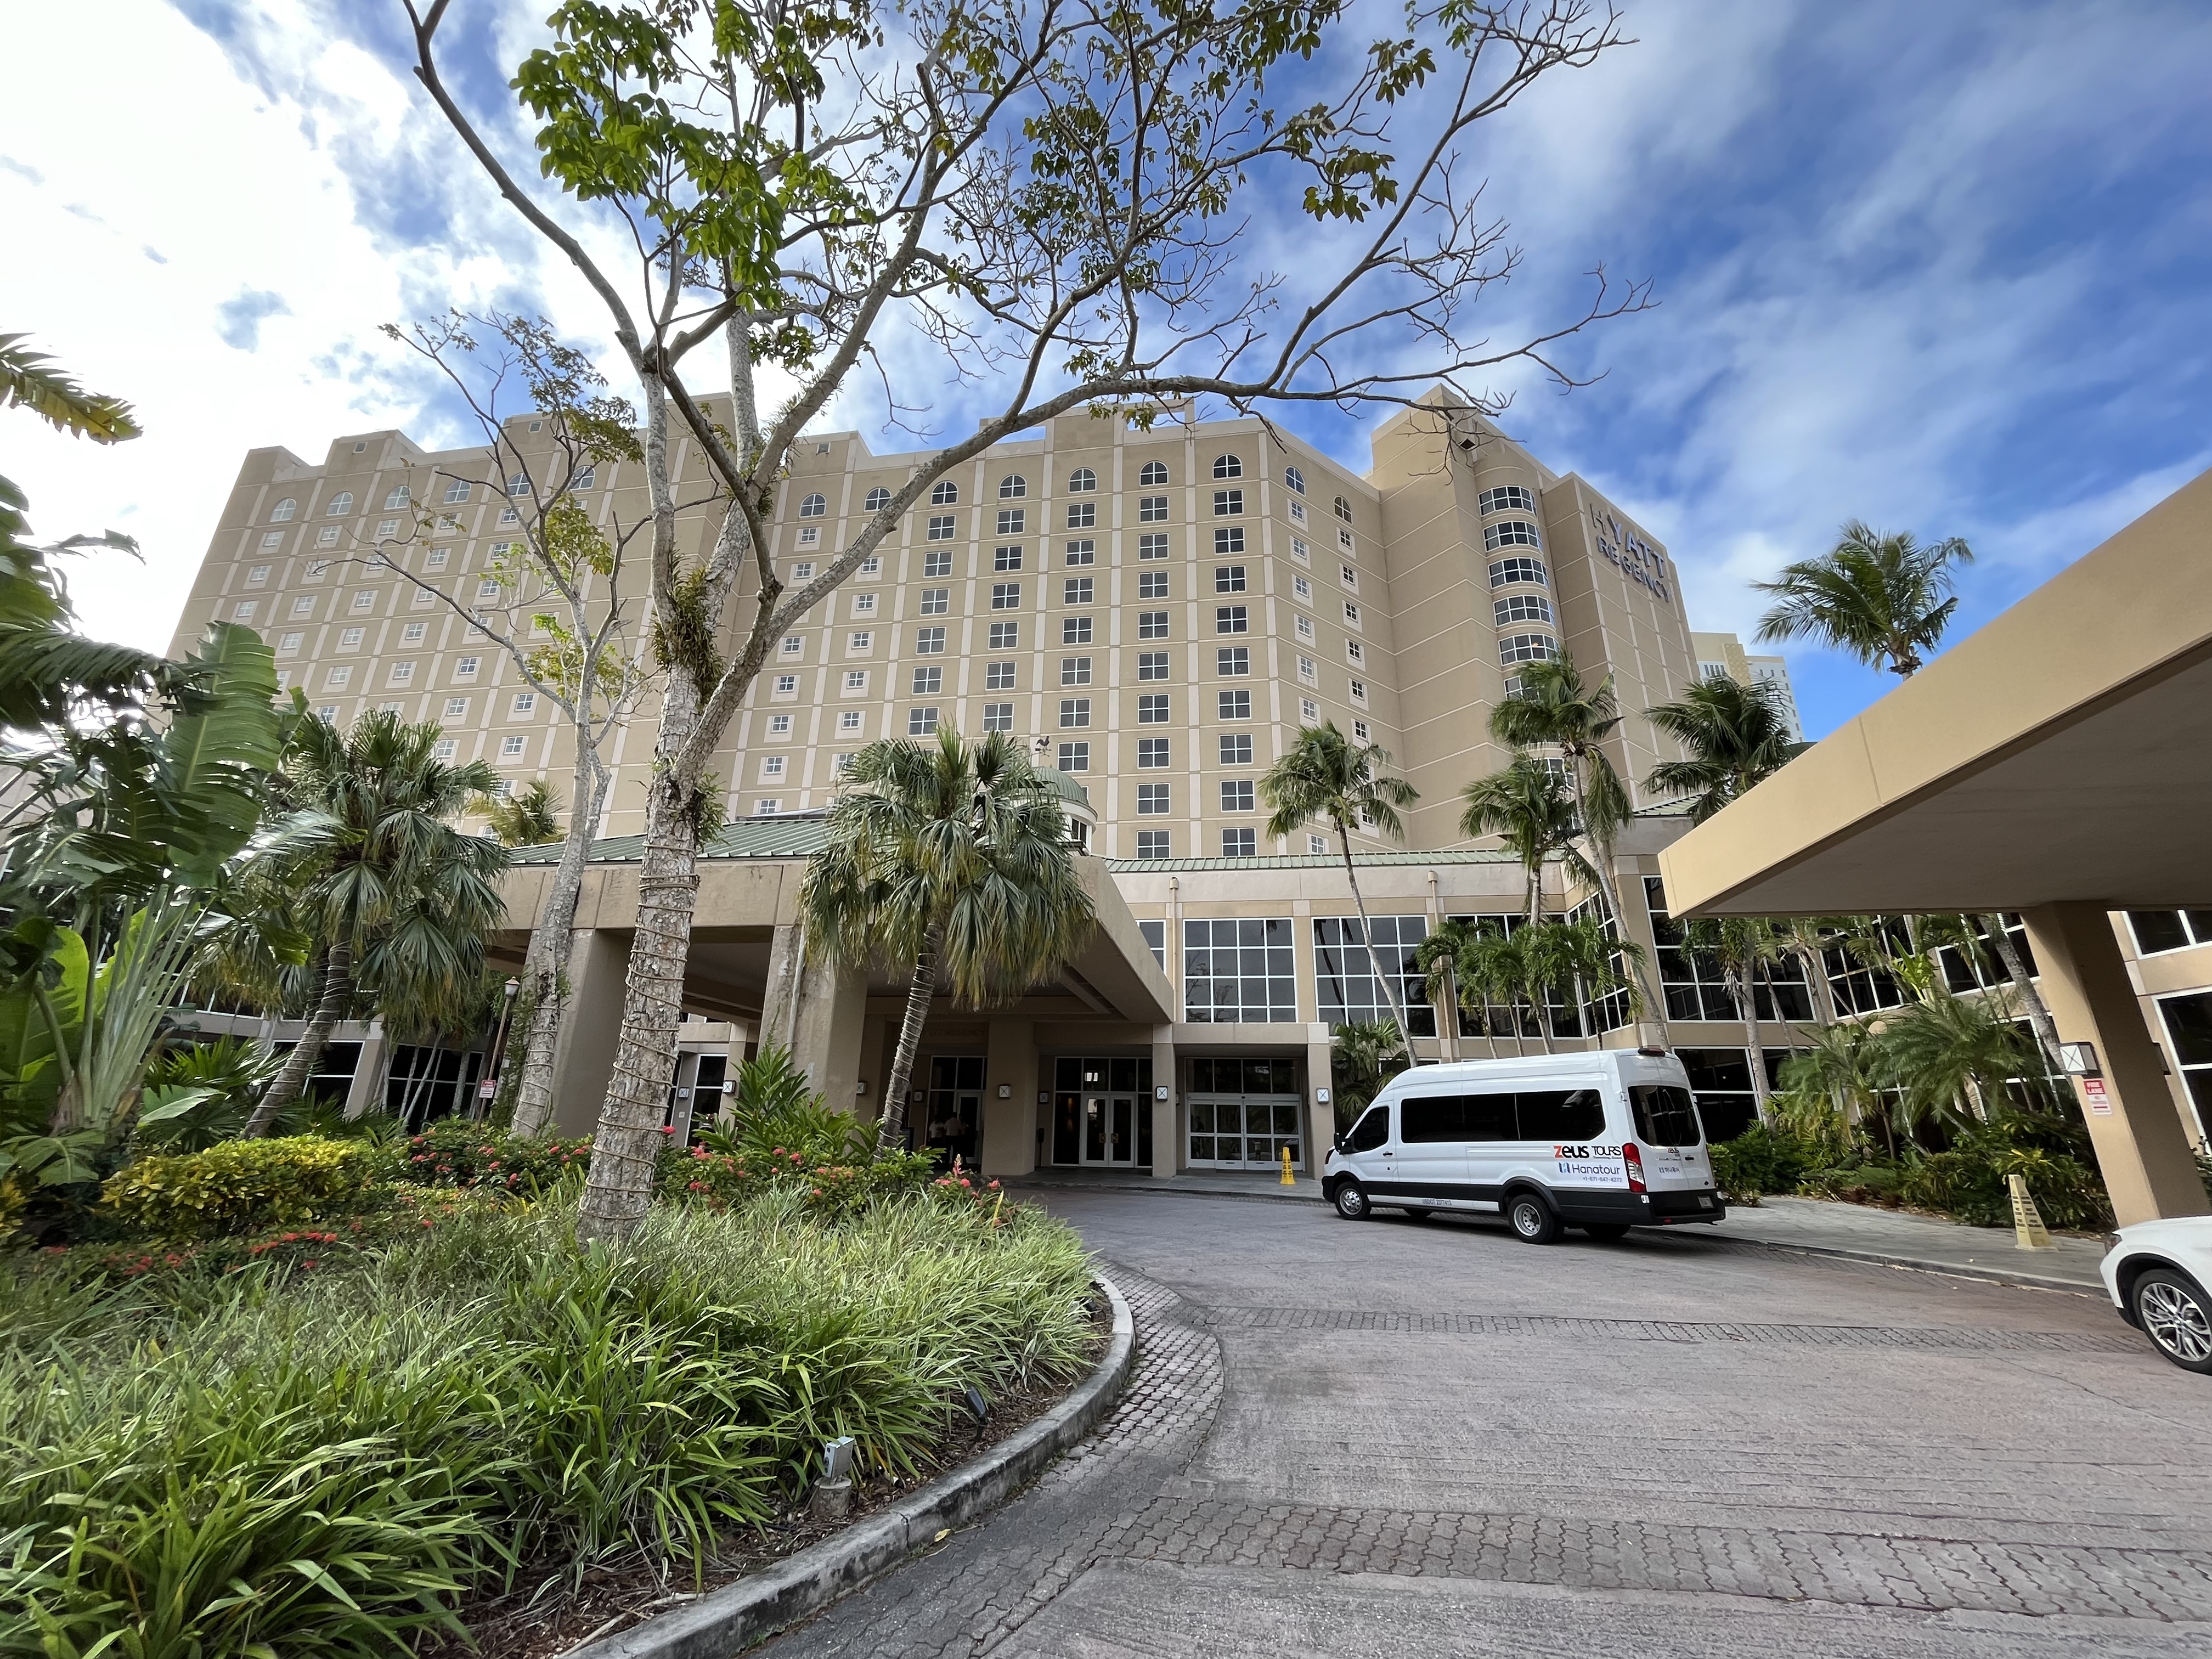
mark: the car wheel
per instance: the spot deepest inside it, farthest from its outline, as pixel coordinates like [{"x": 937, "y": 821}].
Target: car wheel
[
  {"x": 2176, "y": 1314},
  {"x": 1351, "y": 1202},
  {"x": 1606, "y": 1231},
  {"x": 1532, "y": 1221}
]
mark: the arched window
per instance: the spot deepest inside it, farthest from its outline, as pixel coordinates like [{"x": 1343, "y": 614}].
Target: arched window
[
  {"x": 1227, "y": 466},
  {"x": 519, "y": 484},
  {"x": 813, "y": 507},
  {"x": 1155, "y": 472},
  {"x": 878, "y": 499},
  {"x": 1294, "y": 479},
  {"x": 398, "y": 498},
  {"x": 458, "y": 490},
  {"x": 341, "y": 504},
  {"x": 1344, "y": 509},
  {"x": 283, "y": 511},
  {"x": 944, "y": 493},
  {"x": 1082, "y": 479},
  {"x": 1012, "y": 486}
]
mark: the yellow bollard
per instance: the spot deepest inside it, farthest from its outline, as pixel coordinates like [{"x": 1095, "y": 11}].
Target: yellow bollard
[
  {"x": 1288, "y": 1180},
  {"x": 2028, "y": 1230}
]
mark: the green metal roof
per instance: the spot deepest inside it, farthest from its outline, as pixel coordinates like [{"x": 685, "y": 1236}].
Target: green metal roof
[
  {"x": 1063, "y": 786},
  {"x": 788, "y": 836},
  {"x": 1309, "y": 862}
]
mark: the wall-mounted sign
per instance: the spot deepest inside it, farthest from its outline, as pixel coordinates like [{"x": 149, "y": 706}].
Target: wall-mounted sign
[
  {"x": 1636, "y": 558},
  {"x": 2095, "y": 1097}
]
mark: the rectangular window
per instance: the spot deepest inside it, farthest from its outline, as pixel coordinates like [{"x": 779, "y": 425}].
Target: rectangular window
[
  {"x": 456, "y": 708},
  {"x": 289, "y": 643},
  {"x": 1074, "y": 712},
  {"x": 1152, "y": 754},
  {"x": 1153, "y": 844},
  {"x": 1152, "y": 664},
  {"x": 861, "y": 640},
  {"x": 1074, "y": 757},
  {"x": 1348, "y": 576},
  {"x": 1152, "y": 710},
  {"x": 998, "y": 676},
  {"x": 339, "y": 678},
  {"x": 1083, "y": 515},
  {"x": 1082, "y": 552},
  {"x": 1298, "y": 510},
  {"x": 872, "y": 565},
  {"x": 1305, "y": 627},
  {"x": 928, "y": 682},
  {"x": 1005, "y": 596},
  {"x": 1350, "y": 614},
  {"x": 1228, "y": 538},
  {"x": 863, "y": 604},
  {"x": 1236, "y": 794},
  {"x": 793, "y": 645},
  {"x": 1005, "y": 636},
  {"x": 849, "y": 720},
  {"x": 767, "y": 809},
  {"x": 364, "y": 599},
  {"x": 273, "y": 539},
  {"x": 1229, "y": 579},
  {"x": 257, "y": 575},
  {"x": 1354, "y": 651},
  {"x": 936, "y": 601},
  {"x": 1151, "y": 584},
  {"x": 856, "y": 679},
  {"x": 1231, "y": 619},
  {"x": 998, "y": 717},
  {"x": 786, "y": 686},
  {"x": 1152, "y": 509},
  {"x": 349, "y": 639},
  {"x": 943, "y": 526},
  {"x": 1228, "y": 503},
  {"x": 779, "y": 725},
  {"x": 304, "y": 605},
  {"x": 1233, "y": 660},
  {"x": 424, "y": 598},
  {"x": 1153, "y": 799},
  {"x": 1345, "y": 976},
  {"x": 511, "y": 747},
  {"x": 1307, "y": 672},
  {"x": 928, "y": 642},
  {"x": 1309, "y": 711},
  {"x": 1075, "y": 630},
  {"x": 803, "y": 572},
  {"x": 1007, "y": 558},
  {"x": 921, "y": 722},
  {"x": 1298, "y": 550},
  {"x": 1012, "y": 521},
  {"x": 771, "y": 767},
  {"x": 1152, "y": 624},
  {"x": 443, "y": 748},
  {"x": 1235, "y": 705},
  {"x": 465, "y": 668},
  {"x": 1151, "y": 547},
  {"x": 1075, "y": 670},
  {"x": 2169, "y": 930},
  {"x": 1077, "y": 590},
  {"x": 1360, "y": 731},
  {"x": 525, "y": 702},
  {"x": 401, "y": 674},
  {"x": 1235, "y": 748},
  {"x": 1359, "y": 690},
  {"x": 246, "y": 609},
  {"x": 327, "y": 537},
  {"x": 1240, "y": 843}
]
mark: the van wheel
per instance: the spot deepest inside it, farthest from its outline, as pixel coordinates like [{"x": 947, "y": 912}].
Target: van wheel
[
  {"x": 1533, "y": 1222},
  {"x": 2176, "y": 1314},
  {"x": 1351, "y": 1202}
]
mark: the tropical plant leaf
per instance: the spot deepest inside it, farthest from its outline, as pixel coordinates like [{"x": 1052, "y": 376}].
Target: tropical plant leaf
[{"x": 28, "y": 378}]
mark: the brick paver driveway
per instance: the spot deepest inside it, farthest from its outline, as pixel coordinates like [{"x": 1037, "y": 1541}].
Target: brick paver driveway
[{"x": 1385, "y": 1437}]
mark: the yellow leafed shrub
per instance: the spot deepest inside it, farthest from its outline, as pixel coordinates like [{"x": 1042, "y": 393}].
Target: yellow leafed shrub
[{"x": 238, "y": 1185}]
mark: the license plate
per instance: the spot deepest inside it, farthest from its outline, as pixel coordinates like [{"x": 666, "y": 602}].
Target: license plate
[{"x": 1705, "y": 1203}]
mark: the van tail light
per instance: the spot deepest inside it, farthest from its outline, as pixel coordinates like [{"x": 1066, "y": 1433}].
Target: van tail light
[{"x": 1634, "y": 1160}]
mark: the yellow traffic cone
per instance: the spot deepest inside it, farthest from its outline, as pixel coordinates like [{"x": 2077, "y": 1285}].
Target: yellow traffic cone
[
  {"x": 1288, "y": 1180},
  {"x": 2028, "y": 1230}
]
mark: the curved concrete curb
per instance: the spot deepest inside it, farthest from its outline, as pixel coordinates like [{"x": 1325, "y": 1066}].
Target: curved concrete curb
[
  {"x": 1988, "y": 1275},
  {"x": 730, "y": 1619}
]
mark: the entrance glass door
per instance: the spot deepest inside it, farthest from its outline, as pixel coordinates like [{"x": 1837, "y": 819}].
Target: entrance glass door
[
  {"x": 1245, "y": 1114},
  {"x": 1109, "y": 1129},
  {"x": 1102, "y": 1111}
]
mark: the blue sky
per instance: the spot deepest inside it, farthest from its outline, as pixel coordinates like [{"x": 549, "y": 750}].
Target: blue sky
[{"x": 1940, "y": 267}]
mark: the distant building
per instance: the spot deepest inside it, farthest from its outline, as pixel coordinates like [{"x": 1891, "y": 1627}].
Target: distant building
[{"x": 1723, "y": 653}]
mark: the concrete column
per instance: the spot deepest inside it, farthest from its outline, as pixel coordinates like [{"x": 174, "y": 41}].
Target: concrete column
[
  {"x": 365, "y": 1093},
  {"x": 1008, "y": 1145},
  {"x": 1321, "y": 1115},
  {"x": 817, "y": 1009},
  {"x": 1635, "y": 925},
  {"x": 1168, "y": 1143},
  {"x": 2141, "y": 1145},
  {"x": 876, "y": 1031},
  {"x": 590, "y": 1024}
]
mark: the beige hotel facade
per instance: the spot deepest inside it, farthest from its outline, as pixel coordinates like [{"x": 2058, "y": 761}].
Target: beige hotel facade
[{"x": 1157, "y": 612}]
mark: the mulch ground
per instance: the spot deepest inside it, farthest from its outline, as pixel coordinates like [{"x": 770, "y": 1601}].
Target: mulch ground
[{"x": 547, "y": 1616}]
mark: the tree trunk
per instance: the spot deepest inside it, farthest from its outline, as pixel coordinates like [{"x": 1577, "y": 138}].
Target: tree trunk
[
  {"x": 545, "y": 967},
  {"x": 2031, "y": 999},
  {"x": 1601, "y": 858},
  {"x": 1387, "y": 981},
  {"x": 1746, "y": 1004},
  {"x": 891, "y": 1132},
  {"x": 291, "y": 1081},
  {"x": 421, "y": 1077},
  {"x": 1816, "y": 984}
]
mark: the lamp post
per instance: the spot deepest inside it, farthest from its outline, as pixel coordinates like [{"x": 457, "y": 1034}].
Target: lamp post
[{"x": 489, "y": 1087}]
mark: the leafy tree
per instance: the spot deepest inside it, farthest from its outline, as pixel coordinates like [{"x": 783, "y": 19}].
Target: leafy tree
[
  {"x": 530, "y": 817},
  {"x": 1530, "y": 807},
  {"x": 1487, "y": 963},
  {"x": 1951, "y": 1057},
  {"x": 1884, "y": 599},
  {"x": 1055, "y": 201},
  {"x": 1736, "y": 735},
  {"x": 1363, "y": 1056},
  {"x": 393, "y": 894},
  {"x": 1743, "y": 946},
  {"x": 950, "y": 858},
  {"x": 1326, "y": 777},
  {"x": 1841, "y": 1060},
  {"x": 1556, "y": 707}
]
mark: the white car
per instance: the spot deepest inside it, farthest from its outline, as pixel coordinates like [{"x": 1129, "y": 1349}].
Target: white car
[{"x": 2157, "y": 1273}]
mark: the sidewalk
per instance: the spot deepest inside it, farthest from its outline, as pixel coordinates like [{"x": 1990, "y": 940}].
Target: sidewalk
[
  {"x": 1862, "y": 1233},
  {"x": 1856, "y": 1232}
]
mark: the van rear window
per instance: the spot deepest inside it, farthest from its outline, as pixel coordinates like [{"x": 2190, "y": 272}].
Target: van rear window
[
  {"x": 1665, "y": 1114},
  {"x": 1527, "y": 1115}
]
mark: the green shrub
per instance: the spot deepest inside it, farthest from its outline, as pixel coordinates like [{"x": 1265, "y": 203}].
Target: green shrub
[
  {"x": 455, "y": 1152},
  {"x": 1760, "y": 1160},
  {"x": 722, "y": 1179},
  {"x": 775, "y": 1113},
  {"x": 236, "y": 1187},
  {"x": 1857, "y": 1183}
]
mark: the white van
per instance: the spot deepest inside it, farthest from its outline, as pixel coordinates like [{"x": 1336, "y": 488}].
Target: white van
[{"x": 1603, "y": 1141}]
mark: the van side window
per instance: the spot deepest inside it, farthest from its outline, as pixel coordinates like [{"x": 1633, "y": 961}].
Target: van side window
[
  {"x": 1665, "y": 1114},
  {"x": 1370, "y": 1131},
  {"x": 1456, "y": 1117},
  {"x": 1560, "y": 1114}
]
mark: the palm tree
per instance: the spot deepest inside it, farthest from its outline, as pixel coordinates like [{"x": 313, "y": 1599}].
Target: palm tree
[
  {"x": 1556, "y": 706},
  {"x": 1951, "y": 1056},
  {"x": 1736, "y": 735},
  {"x": 1885, "y": 599},
  {"x": 530, "y": 817},
  {"x": 1364, "y": 1055},
  {"x": 1841, "y": 1060},
  {"x": 1742, "y": 946},
  {"x": 391, "y": 893},
  {"x": 951, "y": 856},
  {"x": 1529, "y": 807},
  {"x": 1327, "y": 776}
]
